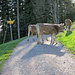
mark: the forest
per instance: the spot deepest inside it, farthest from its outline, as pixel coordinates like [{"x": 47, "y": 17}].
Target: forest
[{"x": 32, "y": 12}]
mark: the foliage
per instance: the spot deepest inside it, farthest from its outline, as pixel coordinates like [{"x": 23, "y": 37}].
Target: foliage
[{"x": 32, "y": 12}]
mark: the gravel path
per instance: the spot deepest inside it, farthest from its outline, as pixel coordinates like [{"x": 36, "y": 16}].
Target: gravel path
[{"x": 30, "y": 58}]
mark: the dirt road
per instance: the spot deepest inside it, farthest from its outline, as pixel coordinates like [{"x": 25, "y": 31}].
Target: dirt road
[{"x": 30, "y": 58}]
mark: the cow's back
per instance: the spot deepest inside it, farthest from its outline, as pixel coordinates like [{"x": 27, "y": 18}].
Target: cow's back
[
  {"x": 46, "y": 29},
  {"x": 68, "y": 22},
  {"x": 32, "y": 28}
]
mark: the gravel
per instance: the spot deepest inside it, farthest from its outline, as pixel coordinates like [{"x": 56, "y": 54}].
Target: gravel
[{"x": 30, "y": 58}]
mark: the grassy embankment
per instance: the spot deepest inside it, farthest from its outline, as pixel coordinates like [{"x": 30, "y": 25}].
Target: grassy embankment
[
  {"x": 6, "y": 50},
  {"x": 68, "y": 39}
]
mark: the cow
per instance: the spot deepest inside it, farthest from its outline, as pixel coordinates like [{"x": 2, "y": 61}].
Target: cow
[
  {"x": 32, "y": 29},
  {"x": 68, "y": 23},
  {"x": 53, "y": 29}
]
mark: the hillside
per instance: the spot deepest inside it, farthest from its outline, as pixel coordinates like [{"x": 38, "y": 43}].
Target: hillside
[{"x": 68, "y": 39}]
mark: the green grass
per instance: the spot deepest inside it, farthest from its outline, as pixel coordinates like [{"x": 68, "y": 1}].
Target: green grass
[
  {"x": 73, "y": 26},
  {"x": 68, "y": 39},
  {"x": 6, "y": 50}
]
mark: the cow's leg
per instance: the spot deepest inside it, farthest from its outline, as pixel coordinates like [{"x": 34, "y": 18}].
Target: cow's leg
[
  {"x": 28, "y": 33},
  {"x": 32, "y": 37},
  {"x": 37, "y": 38},
  {"x": 46, "y": 37},
  {"x": 37, "y": 33},
  {"x": 52, "y": 40},
  {"x": 66, "y": 26},
  {"x": 54, "y": 36},
  {"x": 69, "y": 27},
  {"x": 41, "y": 37}
]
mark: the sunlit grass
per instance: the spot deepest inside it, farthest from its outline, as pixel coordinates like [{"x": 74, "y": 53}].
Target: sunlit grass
[{"x": 68, "y": 39}]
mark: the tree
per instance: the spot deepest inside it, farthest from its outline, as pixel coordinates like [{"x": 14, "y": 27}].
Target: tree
[{"x": 32, "y": 12}]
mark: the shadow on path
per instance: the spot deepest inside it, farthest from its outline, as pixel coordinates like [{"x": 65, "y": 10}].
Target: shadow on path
[
  {"x": 68, "y": 33},
  {"x": 43, "y": 49}
]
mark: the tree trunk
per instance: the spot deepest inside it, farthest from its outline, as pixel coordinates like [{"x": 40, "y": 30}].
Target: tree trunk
[{"x": 55, "y": 12}]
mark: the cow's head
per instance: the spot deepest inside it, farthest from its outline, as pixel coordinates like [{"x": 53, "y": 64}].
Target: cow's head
[{"x": 61, "y": 27}]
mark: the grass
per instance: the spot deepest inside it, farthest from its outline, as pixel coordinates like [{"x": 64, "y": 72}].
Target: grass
[
  {"x": 6, "y": 50},
  {"x": 68, "y": 39}
]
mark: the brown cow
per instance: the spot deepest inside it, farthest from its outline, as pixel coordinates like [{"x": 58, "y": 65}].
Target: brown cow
[
  {"x": 47, "y": 29},
  {"x": 68, "y": 23},
  {"x": 32, "y": 29}
]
